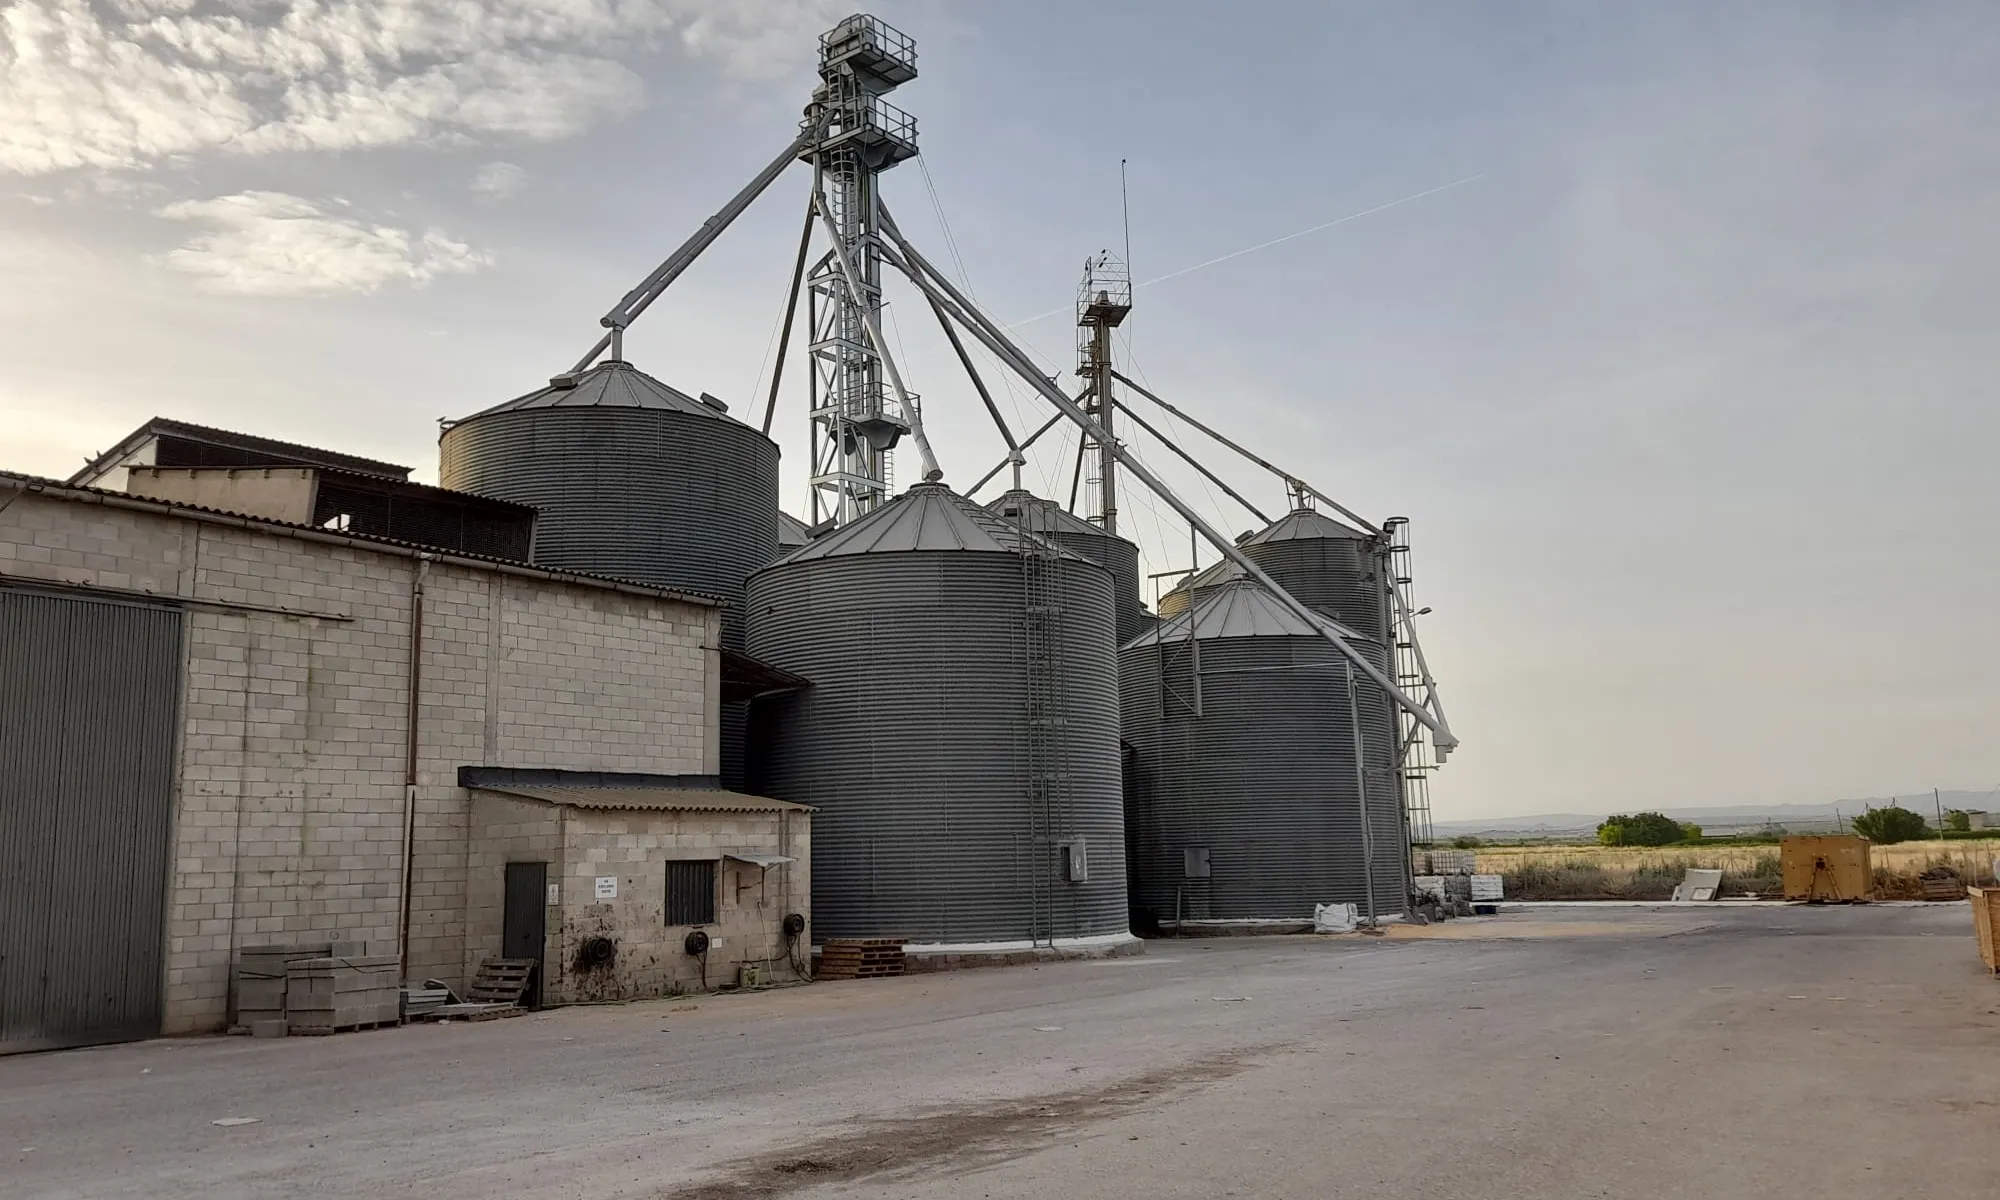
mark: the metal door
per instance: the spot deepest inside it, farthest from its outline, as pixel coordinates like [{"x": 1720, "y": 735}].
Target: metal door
[
  {"x": 88, "y": 695},
  {"x": 523, "y": 919}
]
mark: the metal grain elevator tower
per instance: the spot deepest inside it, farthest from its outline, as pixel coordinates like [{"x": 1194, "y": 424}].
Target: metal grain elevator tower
[{"x": 858, "y": 407}]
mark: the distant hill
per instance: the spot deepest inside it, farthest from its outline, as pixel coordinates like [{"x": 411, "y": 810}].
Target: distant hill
[{"x": 1714, "y": 819}]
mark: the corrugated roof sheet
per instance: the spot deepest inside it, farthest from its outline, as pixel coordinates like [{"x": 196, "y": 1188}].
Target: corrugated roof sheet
[
  {"x": 288, "y": 453},
  {"x": 930, "y": 516},
  {"x": 1044, "y": 516},
  {"x": 653, "y": 799},
  {"x": 1301, "y": 524},
  {"x": 387, "y": 483},
  {"x": 1241, "y": 609},
  {"x": 611, "y": 384}
]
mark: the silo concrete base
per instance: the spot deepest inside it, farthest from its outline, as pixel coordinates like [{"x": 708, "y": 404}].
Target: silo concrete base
[{"x": 919, "y": 959}]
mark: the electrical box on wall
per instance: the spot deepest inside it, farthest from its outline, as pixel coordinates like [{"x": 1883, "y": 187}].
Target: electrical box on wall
[
  {"x": 1076, "y": 862},
  {"x": 1194, "y": 862}
]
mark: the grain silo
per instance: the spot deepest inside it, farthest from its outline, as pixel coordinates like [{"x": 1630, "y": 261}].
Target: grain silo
[
  {"x": 634, "y": 479},
  {"x": 1200, "y": 586},
  {"x": 960, "y": 737},
  {"x": 1244, "y": 801},
  {"x": 1325, "y": 565},
  {"x": 792, "y": 532},
  {"x": 1078, "y": 536}
]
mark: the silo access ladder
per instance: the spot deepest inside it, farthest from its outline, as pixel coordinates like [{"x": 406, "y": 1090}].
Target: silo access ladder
[
  {"x": 1048, "y": 724},
  {"x": 1416, "y": 760}
]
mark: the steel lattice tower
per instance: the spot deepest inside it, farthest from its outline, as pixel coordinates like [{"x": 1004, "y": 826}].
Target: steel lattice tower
[
  {"x": 1102, "y": 302},
  {"x": 856, "y": 416}
]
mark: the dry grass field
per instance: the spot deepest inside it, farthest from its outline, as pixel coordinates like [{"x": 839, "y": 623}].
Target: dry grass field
[{"x": 1590, "y": 872}]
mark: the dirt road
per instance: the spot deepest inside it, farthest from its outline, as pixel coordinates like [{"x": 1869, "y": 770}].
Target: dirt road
[{"x": 1707, "y": 1053}]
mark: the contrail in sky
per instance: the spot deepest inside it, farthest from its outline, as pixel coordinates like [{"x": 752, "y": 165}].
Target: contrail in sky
[
  {"x": 1366, "y": 212},
  {"x": 1201, "y": 266}
]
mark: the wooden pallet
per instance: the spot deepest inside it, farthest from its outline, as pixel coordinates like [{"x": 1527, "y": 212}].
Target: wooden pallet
[
  {"x": 1949, "y": 887},
  {"x": 860, "y": 958},
  {"x": 501, "y": 981},
  {"x": 330, "y": 1030},
  {"x": 468, "y": 1012}
]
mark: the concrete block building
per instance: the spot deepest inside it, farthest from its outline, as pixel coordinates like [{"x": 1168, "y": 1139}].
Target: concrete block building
[
  {"x": 223, "y": 729},
  {"x": 641, "y": 869}
]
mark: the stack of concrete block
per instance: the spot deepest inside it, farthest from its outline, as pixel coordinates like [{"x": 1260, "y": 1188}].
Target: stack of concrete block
[
  {"x": 327, "y": 995},
  {"x": 261, "y": 981}
]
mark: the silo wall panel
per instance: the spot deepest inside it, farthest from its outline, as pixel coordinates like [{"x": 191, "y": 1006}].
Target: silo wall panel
[
  {"x": 1263, "y": 779},
  {"x": 912, "y": 742},
  {"x": 1121, "y": 558},
  {"x": 1337, "y": 576}
]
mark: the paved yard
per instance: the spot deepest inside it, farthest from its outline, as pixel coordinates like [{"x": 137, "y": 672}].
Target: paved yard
[{"x": 1659, "y": 1053}]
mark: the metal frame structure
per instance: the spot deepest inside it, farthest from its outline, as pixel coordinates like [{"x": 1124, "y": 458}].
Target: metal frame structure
[
  {"x": 1103, "y": 300},
  {"x": 859, "y": 408},
  {"x": 1417, "y": 756}
]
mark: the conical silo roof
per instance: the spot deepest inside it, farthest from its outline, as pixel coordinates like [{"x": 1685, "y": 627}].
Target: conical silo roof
[
  {"x": 792, "y": 532},
  {"x": 1302, "y": 524},
  {"x": 611, "y": 384},
  {"x": 1115, "y": 554},
  {"x": 928, "y": 517},
  {"x": 1042, "y": 516},
  {"x": 1240, "y": 609},
  {"x": 1174, "y": 600}
]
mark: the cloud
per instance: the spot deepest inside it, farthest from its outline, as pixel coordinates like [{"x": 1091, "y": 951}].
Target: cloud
[
  {"x": 497, "y": 181},
  {"x": 126, "y": 83},
  {"x": 272, "y": 244}
]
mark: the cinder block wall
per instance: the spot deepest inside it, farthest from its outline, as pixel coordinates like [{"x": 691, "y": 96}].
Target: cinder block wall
[
  {"x": 290, "y": 801},
  {"x": 506, "y": 829},
  {"x": 634, "y": 847}
]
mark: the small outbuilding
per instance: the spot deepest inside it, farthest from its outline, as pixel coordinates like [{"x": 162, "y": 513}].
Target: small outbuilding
[{"x": 633, "y": 892}]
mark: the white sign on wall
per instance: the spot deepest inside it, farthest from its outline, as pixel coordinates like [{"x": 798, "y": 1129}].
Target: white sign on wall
[
  {"x": 607, "y": 887},
  {"x": 555, "y": 895}
]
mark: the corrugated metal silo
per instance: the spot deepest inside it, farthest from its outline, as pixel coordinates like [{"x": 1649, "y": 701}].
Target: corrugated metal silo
[
  {"x": 635, "y": 479},
  {"x": 792, "y": 532},
  {"x": 961, "y": 731},
  {"x": 1243, "y": 799},
  {"x": 1325, "y": 565},
  {"x": 1079, "y": 536},
  {"x": 1204, "y": 583}
]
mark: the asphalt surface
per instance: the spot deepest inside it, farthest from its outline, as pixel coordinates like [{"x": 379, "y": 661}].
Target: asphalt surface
[{"x": 1707, "y": 1052}]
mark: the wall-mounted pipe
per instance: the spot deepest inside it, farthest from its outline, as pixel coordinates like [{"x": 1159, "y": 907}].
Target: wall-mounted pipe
[{"x": 412, "y": 740}]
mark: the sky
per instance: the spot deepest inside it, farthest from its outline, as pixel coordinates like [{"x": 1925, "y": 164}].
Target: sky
[{"x": 1676, "y": 352}]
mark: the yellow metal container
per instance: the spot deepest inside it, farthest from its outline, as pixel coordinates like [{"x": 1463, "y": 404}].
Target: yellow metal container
[
  {"x": 1986, "y": 923},
  {"x": 1831, "y": 868}
]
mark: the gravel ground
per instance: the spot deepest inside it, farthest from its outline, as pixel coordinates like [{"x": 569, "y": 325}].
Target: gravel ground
[{"x": 1713, "y": 1052}]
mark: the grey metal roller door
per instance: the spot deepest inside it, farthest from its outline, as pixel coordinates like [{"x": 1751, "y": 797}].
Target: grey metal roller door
[{"x": 88, "y": 694}]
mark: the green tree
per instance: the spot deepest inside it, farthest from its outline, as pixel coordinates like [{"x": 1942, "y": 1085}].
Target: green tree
[
  {"x": 1887, "y": 826},
  {"x": 1958, "y": 820},
  {"x": 1466, "y": 842},
  {"x": 1690, "y": 832},
  {"x": 1642, "y": 829}
]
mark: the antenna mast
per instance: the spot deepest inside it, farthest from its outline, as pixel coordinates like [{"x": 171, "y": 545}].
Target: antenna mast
[
  {"x": 857, "y": 408},
  {"x": 1102, "y": 303}
]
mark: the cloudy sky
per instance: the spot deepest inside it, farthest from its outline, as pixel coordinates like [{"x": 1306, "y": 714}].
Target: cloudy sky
[{"x": 1684, "y": 377}]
